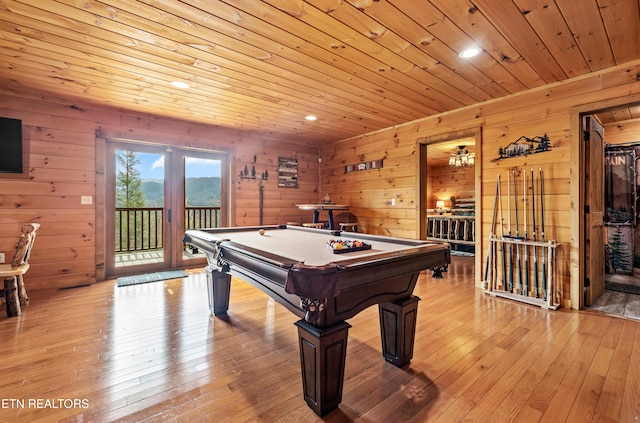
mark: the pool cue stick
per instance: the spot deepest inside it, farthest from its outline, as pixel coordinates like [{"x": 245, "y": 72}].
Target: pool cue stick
[
  {"x": 509, "y": 232},
  {"x": 504, "y": 257},
  {"x": 525, "y": 247},
  {"x": 535, "y": 248},
  {"x": 515, "y": 207},
  {"x": 544, "y": 260},
  {"x": 493, "y": 231}
]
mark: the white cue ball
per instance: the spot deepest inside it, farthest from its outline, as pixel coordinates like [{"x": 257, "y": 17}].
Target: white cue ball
[{"x": 261, "y": 231}]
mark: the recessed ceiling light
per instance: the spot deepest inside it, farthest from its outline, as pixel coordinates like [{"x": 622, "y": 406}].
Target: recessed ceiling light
[
  {"x": 180, "y": 84},
  {"x": 470, "y": 52},
  {"x": 310, "y": 117}
]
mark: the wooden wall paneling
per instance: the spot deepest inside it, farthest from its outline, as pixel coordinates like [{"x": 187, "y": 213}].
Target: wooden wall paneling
[
  {"x": 21, "y": 187},
  {"x": 67, "y": 162},
  {"x": 61, "y": 170},
  {"x": 539, "y": 110},
  {"x": 359, "y": 189},
  {"x": 542, "y": 110},
  {"x": 447, "y": 182},
  {"x": 45, "y": 148},
  {"x": 279, "y": 203},
  {"x": 619, "y": 133}
]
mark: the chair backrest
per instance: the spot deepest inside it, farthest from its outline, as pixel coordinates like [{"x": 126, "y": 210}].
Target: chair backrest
[{"x": 25, "y": 243}]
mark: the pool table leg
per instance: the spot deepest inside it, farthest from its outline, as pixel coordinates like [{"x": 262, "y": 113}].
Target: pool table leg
[
  {"x": 398, "y": 330},
  {"x": 322, "y": 358},
  {"x": 218, "y": 290}
]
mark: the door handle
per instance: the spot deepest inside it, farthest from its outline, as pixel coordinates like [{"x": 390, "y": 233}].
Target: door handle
[{"x": 169, "y": 215}]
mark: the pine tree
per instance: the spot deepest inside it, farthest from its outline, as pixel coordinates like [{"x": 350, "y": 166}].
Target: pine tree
[
  {"x": 129, "y": 195},
  {"x": 128, "y": 182},
  {"x": 619, "y": 252}
]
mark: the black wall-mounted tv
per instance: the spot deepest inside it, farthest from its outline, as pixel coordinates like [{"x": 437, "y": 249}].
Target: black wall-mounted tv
[{"x": 10, "y": 145}]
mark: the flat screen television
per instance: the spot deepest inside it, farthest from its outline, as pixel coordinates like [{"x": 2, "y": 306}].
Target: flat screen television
[{"x": 10, "y": 145}]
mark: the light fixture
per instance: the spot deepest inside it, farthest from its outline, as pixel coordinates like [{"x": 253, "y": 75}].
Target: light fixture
[
  {"x": 469, "y": 52},
  {"x": 440, "y": 206},
  {"x": 311, "y": 117},
  {"x": 462, "y": 158},
  {"x": 180, "y": 84}
]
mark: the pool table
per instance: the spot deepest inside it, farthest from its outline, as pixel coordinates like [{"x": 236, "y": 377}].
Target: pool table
[{"x": 296, "y": 268}]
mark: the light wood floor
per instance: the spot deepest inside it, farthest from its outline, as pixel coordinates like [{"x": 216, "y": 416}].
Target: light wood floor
[{"x": 151, "y": 353}]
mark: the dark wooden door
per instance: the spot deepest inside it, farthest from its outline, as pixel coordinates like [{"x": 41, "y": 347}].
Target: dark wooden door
[{"x": 593, "y": 134}]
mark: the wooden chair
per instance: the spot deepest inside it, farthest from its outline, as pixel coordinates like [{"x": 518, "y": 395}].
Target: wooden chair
[
  {"x": 347, "y": 222},
  {"x": 350, "y": 226},
  {"x": 15, "y": 293},
  {"x": 318, "y": 225}
]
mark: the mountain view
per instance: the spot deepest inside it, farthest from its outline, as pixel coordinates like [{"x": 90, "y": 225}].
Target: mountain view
[{"x": 203, "y": 191}]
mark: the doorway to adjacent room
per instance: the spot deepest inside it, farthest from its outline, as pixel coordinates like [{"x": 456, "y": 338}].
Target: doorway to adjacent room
[
  {"x": 621, "y": 218},
  {"x": 449, "y": 191}
]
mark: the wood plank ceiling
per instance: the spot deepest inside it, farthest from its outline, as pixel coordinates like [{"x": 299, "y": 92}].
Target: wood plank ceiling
[{"x": 358, "y": 65}]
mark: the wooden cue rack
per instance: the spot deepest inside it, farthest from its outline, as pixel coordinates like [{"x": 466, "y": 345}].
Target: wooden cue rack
[{"x": 511, "y": 265}]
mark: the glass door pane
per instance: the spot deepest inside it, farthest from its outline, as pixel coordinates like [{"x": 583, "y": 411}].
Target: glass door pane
[
  {"x": 203, "y": 195},
  {"x": 139, "y": 208},
  {"x": 137, "y": 211}
]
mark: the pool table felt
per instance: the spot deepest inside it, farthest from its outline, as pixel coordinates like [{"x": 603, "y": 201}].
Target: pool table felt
[{"x": 307, "y": 247}]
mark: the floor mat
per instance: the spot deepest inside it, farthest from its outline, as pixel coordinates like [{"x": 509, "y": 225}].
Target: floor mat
[
  {"x": 151, "y": 277},
  {"x": 619, "y": 303},
  {"x": 622, "y": 287}
]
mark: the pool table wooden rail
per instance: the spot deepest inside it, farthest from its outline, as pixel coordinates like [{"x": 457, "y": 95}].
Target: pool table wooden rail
[
  {"x": 362, "y": 281},
  {"x": 386, "y": 278}
]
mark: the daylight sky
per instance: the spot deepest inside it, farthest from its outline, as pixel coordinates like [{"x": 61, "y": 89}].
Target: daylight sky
[{"x": 152, "y": 167}]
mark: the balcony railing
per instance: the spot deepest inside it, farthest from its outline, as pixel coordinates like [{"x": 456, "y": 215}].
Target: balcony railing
[
  {"x": 202, "y": 217},
  {"x": 141, "y": 229}
]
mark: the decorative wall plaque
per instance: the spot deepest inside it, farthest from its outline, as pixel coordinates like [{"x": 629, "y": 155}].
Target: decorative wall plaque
[
  {"x": 524, "y": 146},
  {"x": 287, "y": 172},
  {"x": 374, "y": 164}
]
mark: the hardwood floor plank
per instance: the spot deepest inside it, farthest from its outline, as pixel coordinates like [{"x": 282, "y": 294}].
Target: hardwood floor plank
[
  {"x": 541, "y": 380},
  {"x": 152, "y": 353},
  {"x": 610, "y": 401},
  {"x": 513, "y": 388},
  {"x": 631, "y": 399},
  {"x": 589, "y": 395},
  {"x": 585, "y": 341}
]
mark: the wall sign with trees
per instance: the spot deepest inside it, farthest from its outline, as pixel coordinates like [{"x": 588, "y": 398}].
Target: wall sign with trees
[{"x": 622, "y": 251}]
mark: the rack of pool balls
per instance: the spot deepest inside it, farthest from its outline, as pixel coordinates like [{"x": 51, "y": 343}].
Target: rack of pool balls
[{"x": 344, "y": 246}]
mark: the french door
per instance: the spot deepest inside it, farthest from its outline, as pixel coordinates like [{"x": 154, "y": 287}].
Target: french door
[{"x": 155, "y": 193}]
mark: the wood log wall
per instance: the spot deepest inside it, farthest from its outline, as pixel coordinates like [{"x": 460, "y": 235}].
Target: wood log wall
[
  {"x": 444, "y": 182},
  {"x": 61, "y": 149},
  {"x": 621, "y": 133},
  {"x": 551, "y": 110},
  {"x": 60, "y": 145}
]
